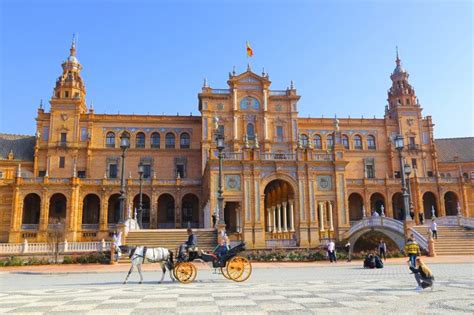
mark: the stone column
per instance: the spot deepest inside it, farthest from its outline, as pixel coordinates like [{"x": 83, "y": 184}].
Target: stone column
[
  {"x": 274, "y": 219},
  {"x": 279, "y": 217},
  {"x": 331, "y": 223},
  {"x": 269, "y": 226},
  {"x": 44, "y": 214},
  {"x": 104, "y": 213},
  {"x": 285, "y": 222},
  {"x": 292, "y": 216},
  {"x": 321, "y": 216}
]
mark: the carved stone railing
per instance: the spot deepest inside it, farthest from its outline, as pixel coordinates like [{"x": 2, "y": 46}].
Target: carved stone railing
[
  {"x": 448, "y": 180},
  {"x": 466, "y": 222},
  {"x": 88, "y": 181},
  {"x": 42, "y": 248},
  {"x": 34, "y": 180},
  {"x": 278, "y": 156},
  {"x": 278, "y": 92},
  {"x": 323, "y": 157},
  {"x": 220, "y": 91},
  {"x": 355, "y": 181},
  {"x": 375, "y": 181},
  {"x": 427, "y": 179},
  {"x": 29, "y": 227},
  {"x": 233, "y": 155},
  {"x": 92, "y": 227}
]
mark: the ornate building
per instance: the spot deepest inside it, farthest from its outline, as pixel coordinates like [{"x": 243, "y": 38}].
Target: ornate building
[{"x": 287, "y": 180}]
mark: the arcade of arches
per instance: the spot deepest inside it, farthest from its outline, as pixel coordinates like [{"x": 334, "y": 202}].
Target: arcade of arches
[{"x": 280, "y": 209}]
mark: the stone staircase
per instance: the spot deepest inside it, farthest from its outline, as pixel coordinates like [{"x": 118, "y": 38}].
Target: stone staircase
[
  {"x": 452, "y": 240},
  {"x": 171, "y": 238}
]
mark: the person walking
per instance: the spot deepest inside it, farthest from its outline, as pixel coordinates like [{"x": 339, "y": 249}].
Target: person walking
[
  {"x": 423, "y": 275},
  {"x": 434, "y": 229},
  {"x": 347, "y": 247},
  {"x": 412, "y": 250},
  {"x": 332, "y": 251},
  {"x": 382, "y": 250}
]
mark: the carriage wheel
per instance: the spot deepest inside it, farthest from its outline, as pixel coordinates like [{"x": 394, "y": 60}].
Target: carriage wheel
[
  {"x": 239, "y": 269},
  {"x": 185, "y": 272},
  {"x": 224, "y": 273}
]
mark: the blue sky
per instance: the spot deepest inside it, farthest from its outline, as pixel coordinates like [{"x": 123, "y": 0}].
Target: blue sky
[{"x": 151, "y": 56}]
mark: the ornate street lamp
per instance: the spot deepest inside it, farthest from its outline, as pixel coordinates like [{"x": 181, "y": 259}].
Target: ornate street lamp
[
  {"x": 220, "y": 198},
  {"x": 407, "y": 169},
  {"x": 399, "y": 146},
  {"x": 141, "y": 170},
  {"x": 124, "y": 145}
]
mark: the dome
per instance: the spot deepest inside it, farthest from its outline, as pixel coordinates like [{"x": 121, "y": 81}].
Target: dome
[
  {"x": 399, "y": 69},
  {"x": 72, "y": 59}
]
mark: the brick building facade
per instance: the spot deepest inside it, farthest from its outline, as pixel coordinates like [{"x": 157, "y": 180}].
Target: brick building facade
[{"x": 287, "y": 180}]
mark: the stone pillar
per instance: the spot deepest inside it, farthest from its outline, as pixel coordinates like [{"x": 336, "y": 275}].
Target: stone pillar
[
  {"x": 285, "y": 222},
  {"x": 279, "y": 217},
  {"x": 292, "y": 216},
  {"x": 321, "y": 216},
  {"x": 274, "y": 230},
  {"x": 331, "y": 223},
  {"x": 44, "y": 215},
  {"x": 104, "y": 213}
]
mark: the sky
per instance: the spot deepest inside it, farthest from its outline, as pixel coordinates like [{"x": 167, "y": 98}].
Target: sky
[{"x": 152, "y": 56}]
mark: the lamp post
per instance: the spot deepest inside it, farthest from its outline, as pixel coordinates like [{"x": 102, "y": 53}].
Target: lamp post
[
  {"x": 124, "y": 145},
  {"x": 399, "y": 146},
  {"x": 407, "y": 169},
  {"x": 141, "y": 170},
  {"x": 220, "y": 198}
]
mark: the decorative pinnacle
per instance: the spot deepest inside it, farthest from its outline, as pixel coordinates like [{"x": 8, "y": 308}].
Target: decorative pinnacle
[
  {"x": 398, "y": 59},
  {"x": 263, "y": 71},
  {"x": 41, "y": 104},
  {"x": 248, "y": 67},
  {"x": 73, "y": 45},
  {"x": 292, "y": 86},
  {"x": 205, "y": 85},
  {"x": 233, "y": 71}
]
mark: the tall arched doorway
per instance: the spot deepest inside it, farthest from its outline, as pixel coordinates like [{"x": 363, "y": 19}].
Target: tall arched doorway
[
  {"x": 190, "y": 211},
  {"x": 31, "y": 211},
  {"x": 279, "y": 207},
  {"x": 165, "y": 216},
  {"x": 146, "y": 209},
  {"x": 451, "y": 203},
  {"x": 377, "y": 201},
  {"x": 57, "y": 208},
  {"x": 113, "y": 211},
  {"x": 429, "y": 202},
  {"x": 356, "y": 205},
  {"x": 398, "y": 206},
  {"x": 91, "y": 211}
]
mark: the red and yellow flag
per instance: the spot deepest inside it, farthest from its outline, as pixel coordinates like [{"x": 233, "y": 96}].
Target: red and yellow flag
[{"x": 249, "y": 50}]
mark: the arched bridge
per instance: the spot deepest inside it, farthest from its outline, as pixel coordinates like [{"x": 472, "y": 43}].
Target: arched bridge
[{"x": 390, "y": 227}]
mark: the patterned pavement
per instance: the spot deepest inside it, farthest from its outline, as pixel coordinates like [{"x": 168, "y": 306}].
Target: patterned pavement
[{"x": 321, "y": 290}]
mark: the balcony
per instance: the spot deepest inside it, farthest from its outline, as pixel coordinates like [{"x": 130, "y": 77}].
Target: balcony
[
  {"x": 29, "y": 227},
  {"x": 278, "y": 156},
  {"x": 93, "y": 227},
  {"x": 323, "y": 157},
  {"x": 233, "y": 156},
  {"x": 220, "y": 91},
  {"x": 278, "y": 93},
  {"x": 413, "y": 147}
]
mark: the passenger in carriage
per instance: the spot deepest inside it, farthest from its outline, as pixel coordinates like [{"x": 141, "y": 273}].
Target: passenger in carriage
[
  {"x": 191, "y": 242},
  {"x": 223, "y": 247}
]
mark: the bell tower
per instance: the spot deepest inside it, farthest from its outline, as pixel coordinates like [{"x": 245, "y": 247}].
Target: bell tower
[
  {"x": 401, "y": 95},
  {"x": 70, "y": 90}
]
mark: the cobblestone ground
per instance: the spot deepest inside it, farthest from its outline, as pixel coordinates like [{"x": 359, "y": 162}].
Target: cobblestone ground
[{"x": 307, "y": 290}]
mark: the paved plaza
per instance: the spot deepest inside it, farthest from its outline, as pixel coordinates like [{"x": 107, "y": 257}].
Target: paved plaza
[{"x": 306, "y": 289}]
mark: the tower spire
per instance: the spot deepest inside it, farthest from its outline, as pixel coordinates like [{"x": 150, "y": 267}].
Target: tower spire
[
  {"x": 398, "y": 59},
  {"x": 73, "y": 45}
]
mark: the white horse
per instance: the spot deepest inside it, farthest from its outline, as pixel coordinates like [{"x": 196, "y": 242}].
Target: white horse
[{"x": 139, "y": 255}]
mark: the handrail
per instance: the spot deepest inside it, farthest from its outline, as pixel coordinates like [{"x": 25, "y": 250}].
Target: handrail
[{"x": 65, "y": 247}]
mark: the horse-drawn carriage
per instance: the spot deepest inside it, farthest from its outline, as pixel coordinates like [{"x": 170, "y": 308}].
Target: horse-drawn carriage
[{"x": 231, "y": 266}]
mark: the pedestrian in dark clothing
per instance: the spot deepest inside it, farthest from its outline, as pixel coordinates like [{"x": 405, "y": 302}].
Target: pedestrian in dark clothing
[
  {"x": 347, "y": 247},
  {"x": 378, "y": 262},
  {"x": 421, "y": 217},
  {"x": 369, "y": 261},
  {"x": 382, "y": 250},
  {"x": 434, "y": 229},
  {"x": 412, "y": 215}
]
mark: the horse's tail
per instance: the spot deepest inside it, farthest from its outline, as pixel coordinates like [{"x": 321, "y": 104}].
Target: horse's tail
[
  {"x": 132, "y": 251},
  {"x": 170, "y": 257}
]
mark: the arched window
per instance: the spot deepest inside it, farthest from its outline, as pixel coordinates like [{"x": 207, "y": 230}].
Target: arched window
[
  {"x": 155, "y": 140},
  {"x": 169, "y": 141},
  {"x": 330, "y": 141},
  {"x": 110, "y": 140},
  {"x": 304, "y": 140},
  {"x": 185, "y": 141},
  {"x": 251, "y": 131},
  {"x": 318, "y": 144},
  {"x": 371, "y": 143},
  {"x": 140, "y": 140},
  {"x": 345, "y": 142},
  {"x": 357, "y": 142}
]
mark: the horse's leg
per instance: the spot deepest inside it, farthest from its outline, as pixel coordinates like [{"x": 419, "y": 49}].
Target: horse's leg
[
  {"x": 139, "y": 267},
  {"x": 163, "y": 268},
  {"x": 129, "y": 272}
]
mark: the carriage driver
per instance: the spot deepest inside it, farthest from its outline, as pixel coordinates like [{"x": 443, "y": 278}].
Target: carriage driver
[{"x": 191, "y": 242}]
